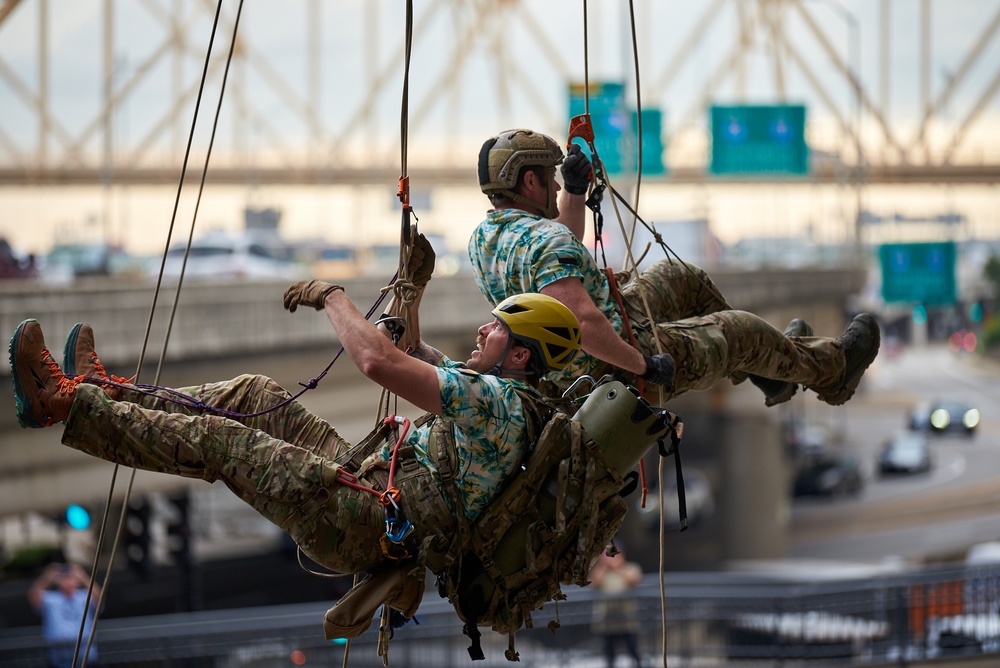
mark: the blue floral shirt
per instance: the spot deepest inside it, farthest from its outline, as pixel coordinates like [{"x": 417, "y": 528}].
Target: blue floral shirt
[
  {"x": 514, "y": 252},
  {"x": 489, "y": 427}
]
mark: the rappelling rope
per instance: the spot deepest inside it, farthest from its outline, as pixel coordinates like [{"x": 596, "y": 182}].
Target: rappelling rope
[
  {"x": 121, "y": 522},
  {"x": 628, "y": 236}
]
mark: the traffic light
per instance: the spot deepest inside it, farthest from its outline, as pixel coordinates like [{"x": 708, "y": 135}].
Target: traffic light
[
  {"x": 179, "y": 530},
  {"x": 77, "y": 516},
  {"x": 136, "y": 537},
  {"x": 179, "y": 545}
]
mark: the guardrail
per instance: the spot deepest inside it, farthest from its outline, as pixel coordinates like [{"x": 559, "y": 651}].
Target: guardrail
[{"x": 929, "y": 617}]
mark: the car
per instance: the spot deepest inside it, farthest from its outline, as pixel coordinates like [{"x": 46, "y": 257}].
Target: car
[
  {"x": 74, "y": 260},
  {"x": 13, "y": 265},
  {"x": 906, "y": 452},
  {"x": 806, "y": 438},
  {"x": 336, "y": 262},
  {"x": 829, "y": 474},
  {"x": 945, "y": 415},
  {"x": 220, "y": 255}
]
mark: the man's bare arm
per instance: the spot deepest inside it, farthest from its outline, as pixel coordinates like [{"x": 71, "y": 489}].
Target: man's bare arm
[
  {"x": 572, "y": 213},
  {"x": 598, "y": 336},
  {"x": 411, "y": 378}
]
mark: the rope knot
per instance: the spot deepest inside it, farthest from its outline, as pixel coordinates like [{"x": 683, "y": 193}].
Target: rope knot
[{"x": 405, "y": 292}]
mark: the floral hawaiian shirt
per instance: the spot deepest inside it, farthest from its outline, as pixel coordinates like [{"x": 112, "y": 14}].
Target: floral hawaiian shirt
[
  {"x": 489, "y": 427},
  {"x": 514, "y": 252}
]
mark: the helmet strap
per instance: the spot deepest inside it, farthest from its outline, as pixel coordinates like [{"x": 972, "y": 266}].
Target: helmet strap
[
  {"x": 548, "y": 209},
  {"x": 498, "y": 370}
]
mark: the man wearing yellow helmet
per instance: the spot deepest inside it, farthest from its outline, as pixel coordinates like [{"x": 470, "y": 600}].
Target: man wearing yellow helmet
[
  {"x": 530, "y": 242},
  {"x": 288, "y": 463}
]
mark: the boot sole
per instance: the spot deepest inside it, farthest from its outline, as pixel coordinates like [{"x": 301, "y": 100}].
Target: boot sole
[
  {"x": 852, "y": 383},
  {"x": 69, "y": 350},
  {"x": 21, "y": 403}
]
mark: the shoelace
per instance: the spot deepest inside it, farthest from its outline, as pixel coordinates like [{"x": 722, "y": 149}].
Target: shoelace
[
  {"x": 64, "y": 384},
  {"x": 101, "y": 373}
]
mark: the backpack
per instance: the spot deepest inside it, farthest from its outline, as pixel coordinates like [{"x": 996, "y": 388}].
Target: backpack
[{"x": 552, "y": 520}]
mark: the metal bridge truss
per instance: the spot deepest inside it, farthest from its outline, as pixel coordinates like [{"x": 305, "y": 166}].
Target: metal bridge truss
[{"x": 321, "y": 103}]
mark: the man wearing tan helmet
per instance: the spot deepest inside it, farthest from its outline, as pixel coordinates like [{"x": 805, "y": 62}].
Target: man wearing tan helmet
[{"x": 530, "y": 241}]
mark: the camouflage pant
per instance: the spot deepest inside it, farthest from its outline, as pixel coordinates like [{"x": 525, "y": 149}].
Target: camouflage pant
[
  {"x": 710, "y": 342},
  {"x": 283, "y": 463}
]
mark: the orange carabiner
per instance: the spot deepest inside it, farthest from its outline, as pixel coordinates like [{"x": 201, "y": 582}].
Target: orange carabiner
[
  {"x": 580, "y": 126},
  {"x": 389, "y": 496}
]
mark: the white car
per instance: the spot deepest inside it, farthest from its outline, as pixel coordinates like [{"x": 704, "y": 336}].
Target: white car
[{"x": 219, "y": 255}]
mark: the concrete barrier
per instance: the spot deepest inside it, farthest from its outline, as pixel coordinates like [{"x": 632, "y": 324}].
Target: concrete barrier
[{"x": 231, "y": 318}]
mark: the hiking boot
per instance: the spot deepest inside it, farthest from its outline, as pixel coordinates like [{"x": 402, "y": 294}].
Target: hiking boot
[
  {"x": 780, "y": 391},
  {"x": 80, "y": 360},
  {"x": 860, "y": 343},
  {"x": 43, "y": 394}
]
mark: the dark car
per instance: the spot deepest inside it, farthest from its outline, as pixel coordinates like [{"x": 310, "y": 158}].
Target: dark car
[
  {"x": 13, "y": 266},
  {"x": 906, "y": 452},
  {"x": 947, "y": 415},
  {"x": 829, "y": 474}
]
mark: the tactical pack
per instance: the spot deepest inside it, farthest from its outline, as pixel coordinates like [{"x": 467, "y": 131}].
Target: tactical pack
[{"x": 552, "y": 520}]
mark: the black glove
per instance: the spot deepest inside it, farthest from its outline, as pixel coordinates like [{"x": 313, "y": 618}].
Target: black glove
[
  {"x": 577, "y": 171},
  {"x": 660, "y": 370}
]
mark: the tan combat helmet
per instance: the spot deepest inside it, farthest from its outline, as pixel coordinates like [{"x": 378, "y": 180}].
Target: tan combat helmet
[{"x": 502, "y": 157}]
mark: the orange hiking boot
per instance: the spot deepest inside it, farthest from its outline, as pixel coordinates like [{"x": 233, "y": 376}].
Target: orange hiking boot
[
  {"x": 80, "y": 359},
  {"x": 43, "y": 394}
]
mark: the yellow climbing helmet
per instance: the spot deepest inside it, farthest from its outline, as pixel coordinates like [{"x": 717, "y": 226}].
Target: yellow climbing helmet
[
  {"x": 502, "y": 157},
  {"x": 544, "y": 325}
]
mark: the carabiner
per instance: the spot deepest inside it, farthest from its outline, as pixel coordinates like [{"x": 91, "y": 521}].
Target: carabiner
[
  {"x": 580, "y": 127},
  {"x": 397, "y": 534}
]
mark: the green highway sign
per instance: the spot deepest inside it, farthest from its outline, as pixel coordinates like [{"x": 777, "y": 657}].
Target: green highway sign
[
  {"x": 652, "y": 141},
  {"x": 758, "y": 140},
  {"x": 922, "y": 273},
  {"x": 616, "y": 126}
]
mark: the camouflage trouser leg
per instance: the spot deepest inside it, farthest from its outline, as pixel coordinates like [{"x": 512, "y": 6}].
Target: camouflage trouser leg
[
  {"x": 710, "y": 348},
  {"x": 293, "y": 487},
  {"x": 674, "y": 291}
]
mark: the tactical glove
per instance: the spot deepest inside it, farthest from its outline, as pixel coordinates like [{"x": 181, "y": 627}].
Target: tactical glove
[
  {"x": 577, "y": 171},
  {"x": 308, "y": 293},
  {"x": 660, "y": 370},
  {"x": 420, "y": 264}
]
